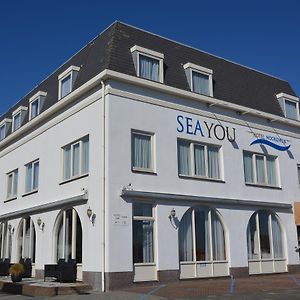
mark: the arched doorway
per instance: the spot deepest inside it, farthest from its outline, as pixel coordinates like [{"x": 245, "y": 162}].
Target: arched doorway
[
  {"x": 68, "y": 238},
  {"x": 265, "y": 244},
  {"x": 202, "y": 247}
]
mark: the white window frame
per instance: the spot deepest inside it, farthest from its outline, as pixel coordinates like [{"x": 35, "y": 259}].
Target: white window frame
[
  {"x": 190, "y": 68},
  {"x": 36, "y": 97},
  {"x": 12, "y": 174},
  {"x": 254, "y": 175},
  {"x": 4, "y": 128},
  {"x": 32, "y": 176},
  {"x": 80, "y": 163},
  {"x": 5, "y": 123},
  {"x": 69, "y": 72},
  {"x": 283, "y": 97},
  {"x": 152, "y": 149},
  {"x": 193, "y": 162},
  {"x": 19, "y": 111},
  {"x": 151, "y": 54}
]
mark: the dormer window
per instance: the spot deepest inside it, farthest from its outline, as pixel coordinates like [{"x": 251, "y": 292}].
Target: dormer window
[
  {"x": 199, "y": 79},
  {"x": 289, "y": 105},
  {"x": 4, "y": 128},
  {"x": 148, "y": 63},
  {"x": 18, "y": 117},
  {"x": 66, "y": 81},
  {"x": 36, "y": 103}
]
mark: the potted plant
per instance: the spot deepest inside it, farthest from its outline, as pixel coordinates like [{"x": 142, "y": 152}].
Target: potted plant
[{"x": 16, "y": 271}]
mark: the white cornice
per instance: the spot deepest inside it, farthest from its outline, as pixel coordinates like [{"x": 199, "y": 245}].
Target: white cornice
[
  {"x": 287, "y": 96},
  {"x": 20, "y": 108},
  {"x": 69, "y": 70},
  {"x": 36, "y": 95},
  {"x": 147, "y": 51},
  {"x": 6, "y": 120},
  {"x": 198, "y": 68}
]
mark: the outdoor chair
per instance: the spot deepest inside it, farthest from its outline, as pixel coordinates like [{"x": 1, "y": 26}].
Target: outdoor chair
[
  {"x": 4, "y": 267},
  {"x": 63, "y": 271},
  {"x": 27, "y": 267}
]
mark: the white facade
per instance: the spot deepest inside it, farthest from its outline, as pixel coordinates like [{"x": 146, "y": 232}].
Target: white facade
[{"x": 109, "y": 109}]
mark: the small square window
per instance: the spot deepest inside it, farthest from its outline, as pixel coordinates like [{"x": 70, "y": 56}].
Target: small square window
[
  {"x": 66, "y": 87},
  {"x": 66, "y": 81},
  {"x": 76, "y": 159},
  {"x": 32, "y": 176},
  {"x": 148, "y": 63},
  {"x": 12, "y": 184},
  {"x": 289, "y": 105},
  {"x": 35, "y": 109},
  {"x": 18, "y": 117},
  {"x": 291, "y": 110},
  {"x": 142, "y": 152}
]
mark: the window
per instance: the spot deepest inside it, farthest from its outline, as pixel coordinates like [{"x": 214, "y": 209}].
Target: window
[
  {"x": 76, "y": 159},
  {"x": 260, "y": 169},
  {"x": 12, "y": 184},
  {"x": 198, "y": 160},
  {"x": 36, "y": 103},
  {"x": 32, "y": 176},
  {"x": 199, "y": 78},
  {"x": 148, "y": 63},
  {"x": 35, "y": 109},
  {"x": 66, "y": 81},
  {"x": 289, "y": 105},
  {"x": 17, "y": 121},
  {"x": 143, "y": 220},
  {"x": 18, "y": 117},
  {"x": 298, "y": 170},
  {"x": 264, "y": 236},
  {"x": 142, "y": 152},
  {"x": 2, "y": 132}
]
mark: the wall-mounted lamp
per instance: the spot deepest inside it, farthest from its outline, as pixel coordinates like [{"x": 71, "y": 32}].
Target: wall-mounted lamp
[
  {"x": 40, "y": 224},
  {"x": 10, "y": 229},
  {"x": 173, "y": 219},
  {"x": 91, "y": 215},
  {"x": 172, "y": 214}
]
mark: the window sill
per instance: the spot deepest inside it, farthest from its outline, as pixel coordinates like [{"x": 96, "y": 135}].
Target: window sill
[
  {"x": 74, "y": 178},
  {"x": 201, "y": 178},
  {"x": 143, "y": 171},
  {"x": 263, "y": 186},
  {"x": 10, "y": 199},
  {"x": 145, "y": 264},
  {"x": 30, "y": 193}
]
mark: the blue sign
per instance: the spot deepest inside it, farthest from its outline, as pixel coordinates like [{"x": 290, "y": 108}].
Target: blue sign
[{"x": 271, "y": 141}]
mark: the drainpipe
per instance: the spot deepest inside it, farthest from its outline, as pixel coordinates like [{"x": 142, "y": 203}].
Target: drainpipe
[{"x": 103, "y": 188}]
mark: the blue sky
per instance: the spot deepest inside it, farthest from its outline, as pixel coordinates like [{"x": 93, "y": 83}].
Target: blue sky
[{"x": 38, "y": 36}]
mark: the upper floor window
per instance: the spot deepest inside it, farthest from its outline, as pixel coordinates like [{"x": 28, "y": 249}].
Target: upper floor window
[
  {"x": 18, "y": 117},
  {"x": 66, "y": 81},
  {"x": 148, "y": 63},
  {"x": 32, "y": 176},
  {"x": 260, "y": 169},
  {"x": 199, "y": 78},
  {"x": 12, "y": 184},
  {"x": 142, "y": 151},
  {"x": 4, "y": 128},
  {"x": 76, "y": 159},
  {"x": 289, "y": 105},
  {"x": 199, "y": 160},
  {"x": 2, "y": 131},
  {"x": 36, "y": 103}
]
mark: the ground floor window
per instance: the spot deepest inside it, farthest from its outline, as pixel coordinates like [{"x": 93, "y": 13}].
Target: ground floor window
[
  {"x": 265, "y": 243},
  {"x": 26, "y": 239},
  {"x": 68, "y": 237},
  {"x": 5, "y": 240}
]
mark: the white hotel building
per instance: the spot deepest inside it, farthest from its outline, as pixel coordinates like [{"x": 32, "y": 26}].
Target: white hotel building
[{"x": 148, "y": 160}]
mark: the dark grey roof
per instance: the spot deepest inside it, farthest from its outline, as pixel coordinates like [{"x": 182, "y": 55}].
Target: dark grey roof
[{"x": 111, "y": 50}]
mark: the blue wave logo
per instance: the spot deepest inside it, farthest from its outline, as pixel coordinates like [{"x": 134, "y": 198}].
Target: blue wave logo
[{"x": 271, "y": 144}]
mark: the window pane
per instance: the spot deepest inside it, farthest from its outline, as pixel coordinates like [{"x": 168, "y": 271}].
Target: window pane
[
  {"x": 291, "y": 109},
  {"x": 15, "y": 184},
  {"x": 218, "y": 241},
  {"x": 252, "y": 239},
  {"x": 17, "y": 121},
  {"x": 9, "y": 185},
  {"x": 200, "y": 83},
  {"x": 277, "y": 241},
  {"x": 213, "y": 162},
  {"x": 202, "y": 236},
  {"x": 264, "y": 234},
  {"x": 186, "y": 238},
  {"x": 141, "y": 209},
  {"x": 141, "y": 151},
  {"x": 29, "y": 178},
  {"x": 199, "y": 160},
  {"x": 184, "y": 158},
  {"x": 143, "y": 241},
  {"x": 248, "y": 168},
  {"x": 260, "y": 170},
  {"x": 34, "y": 108},
  {"x": 75, "y": 162},
  {"x": 66, "y": 86},
  {"x": 67, "y": 162},
  {"x": 2, "y": 132},
  {"x": 149, "y": 68},
  {"x": 271, "y": 171},
  {"x": 85, "y": 155},
  {"x": 36, "y": 175}
]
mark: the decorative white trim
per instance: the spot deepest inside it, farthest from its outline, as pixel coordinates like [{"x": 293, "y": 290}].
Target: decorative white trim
[
  {"x": 147, "y": 51},
  {"x": 69, "y": 70},
  {"x": 19, "y": 109},
  {"x": 287, "y": 96},
  {"x": 36, "y": 95},
  {"x": 198, "y": 68},
  {"x": 6, "y": 120}
]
